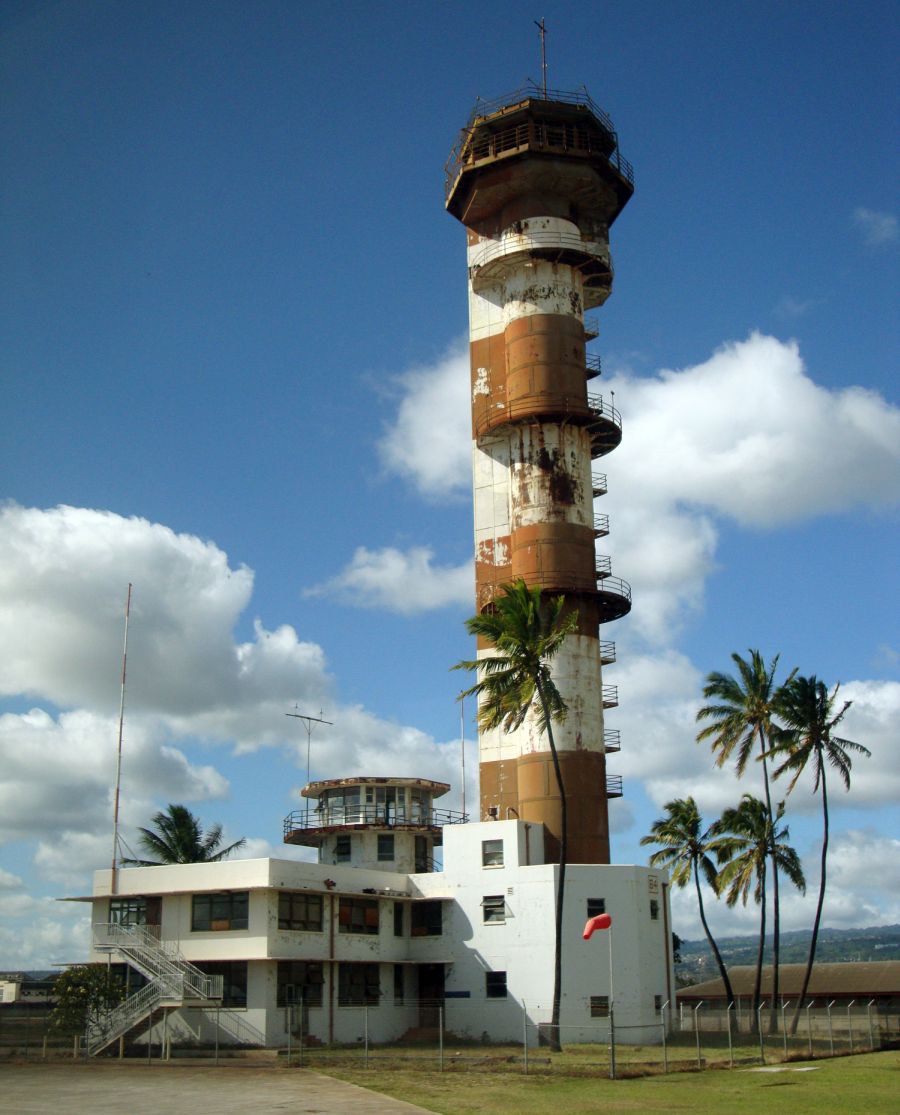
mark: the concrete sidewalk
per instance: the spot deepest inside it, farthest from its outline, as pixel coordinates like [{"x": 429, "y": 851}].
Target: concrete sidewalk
[{"x": 141, "y": 1089}]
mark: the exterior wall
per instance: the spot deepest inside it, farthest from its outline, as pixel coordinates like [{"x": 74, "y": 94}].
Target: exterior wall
[{"x": 467, "y": 947}]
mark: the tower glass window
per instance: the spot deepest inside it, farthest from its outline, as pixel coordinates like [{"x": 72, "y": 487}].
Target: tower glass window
[{"x": 492, "y": 853}]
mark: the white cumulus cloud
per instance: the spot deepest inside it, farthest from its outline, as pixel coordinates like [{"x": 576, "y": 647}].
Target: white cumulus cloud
[
  {"x": 400, "y": 581},
  {"x": 877, "y": 228}
]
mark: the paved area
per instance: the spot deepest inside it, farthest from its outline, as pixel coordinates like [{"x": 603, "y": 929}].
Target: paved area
[{"x": 141, "y": 1089}]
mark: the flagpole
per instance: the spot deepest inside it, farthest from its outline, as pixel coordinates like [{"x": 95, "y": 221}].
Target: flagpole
[{"x": 115, "y": 852}]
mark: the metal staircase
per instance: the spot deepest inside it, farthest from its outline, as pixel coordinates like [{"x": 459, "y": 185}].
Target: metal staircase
[{"x": 172, "y": 981}]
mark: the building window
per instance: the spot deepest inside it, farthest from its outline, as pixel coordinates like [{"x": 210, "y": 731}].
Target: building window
[
  {"x": 234, "y": 980},
  {"x": 342, "y": 849},
  {"x": 421, "y": 854},
  {"x": 398, "y": 919},
  {"x": 596, "y": 906},
  {"x": 220, "y": 911},
  {"x": 128, "y": 911},
  {"x": 399, "y": 980},
  {"x": 494, "y": 907},
  {"x": 358, "y": 985},
  {"x": 299, "y": 910},
  {"x": 299, "y": 981},
  {"x": 657, "y": 1002},
  {"x": 599, "y": 1006},
  {"x": 426, "y": 919},
  {"x": 385, "y": 847},
  {"x": 492, "y": 853},
  {"x": 495, "y": 985},
  {"x": 358, "y": 915},
  {"x": 654, "y": 910}
]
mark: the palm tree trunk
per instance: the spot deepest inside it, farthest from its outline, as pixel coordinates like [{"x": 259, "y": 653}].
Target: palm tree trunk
[
  {"x": 807, "y": 975},
  {"x": 776, "y": 907},
  {"x": 723, "y": 971},
  {"x": 757, "y": 987},
  {"x": 555, "y": 1043}
]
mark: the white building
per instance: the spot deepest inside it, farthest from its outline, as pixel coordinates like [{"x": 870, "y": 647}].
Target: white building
[{"x": 373, "y": 925}]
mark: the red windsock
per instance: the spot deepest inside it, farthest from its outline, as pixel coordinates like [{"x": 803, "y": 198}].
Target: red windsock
[{"x": 601, "y": 921}]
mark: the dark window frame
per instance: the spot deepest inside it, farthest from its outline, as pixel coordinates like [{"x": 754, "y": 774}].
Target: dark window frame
[
  {"x": 359, "y": 984},
  {"x": 386, "y": 847},
  {"x": 599, "y": 1006},
  {"x": 359, "y": 916},
  {"x": 596, "y": 906},
  {"x": 234, "y": 979},
  {"x": 220, "y": 911},
  {"x": 495, "y": 985},
  {"x": 492, "y": 905},
  {"x": 304, "y": 979},
  {"x": 300, "y": 911},
  {"x": 426, "y": 918}
]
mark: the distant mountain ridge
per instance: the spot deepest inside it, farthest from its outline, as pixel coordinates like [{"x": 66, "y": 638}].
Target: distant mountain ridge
[{"x": 880, "y": 942}]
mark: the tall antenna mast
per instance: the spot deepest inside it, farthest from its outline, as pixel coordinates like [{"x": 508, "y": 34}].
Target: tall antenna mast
[
  {"x": 462, "y": 752},
  {"x": 543, "y": 30},
  {"x": 115, "y": 851},
  {"x": 308, "y": 723}
]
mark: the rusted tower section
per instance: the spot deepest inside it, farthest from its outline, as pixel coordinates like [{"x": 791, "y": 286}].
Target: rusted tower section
[{"x": 537, "y": 180}]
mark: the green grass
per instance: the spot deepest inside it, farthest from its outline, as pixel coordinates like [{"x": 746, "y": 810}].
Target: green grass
[{"x": 867, "y": 1083}]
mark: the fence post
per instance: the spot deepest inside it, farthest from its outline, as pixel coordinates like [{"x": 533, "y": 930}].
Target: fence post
[
  {"x": 809, "y": 1026},
  {"x": 730, "y": 1041},
  {"x": 441, "y": 1038},
  {"x": 217, "y": 1035},
  {"x": 759, "y": 1030},
  {"x": 525, "y": 1037},
  {"x": 662, "y": 1022},
  {"x": 784, "y": 1006},
  {"x": 850, "y": 1024},
  {"x": 697, "y": 1033},
  {"x": 830, "y": 1030},
  {"x": 612, "y": 1044},
  {"x": 366, "y": 1037},
  {"x": 300, "y": 1050},
  {"x": 869, "y": 1018}
]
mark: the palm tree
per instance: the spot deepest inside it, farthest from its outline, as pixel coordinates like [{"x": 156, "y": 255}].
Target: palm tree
[
  {"x": 685, "y": 853},
  {"x": 747, "y": 839},
  {"x": 526, "y": 633},
  {"x": 806, "y": 739},
  {"x": 742, "y": 721},
  {"x": 179, "y": 838}
]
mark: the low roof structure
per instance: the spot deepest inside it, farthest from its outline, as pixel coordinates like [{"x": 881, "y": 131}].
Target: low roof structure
[{"x": 862, "y": 980}]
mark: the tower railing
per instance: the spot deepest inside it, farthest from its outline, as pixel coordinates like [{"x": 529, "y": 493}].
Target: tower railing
[
  {"x": 610, "y": 696},
  {"x": 612, "y": 740},
  {"x": 601, "y": 526},
  {"x": 376, "y": 814},
  {"x": 614, "y": 786},
  {"x": 492, "y": 255},
  {"x": 592, "y": 364},
  {"x": 512, "y": 137}
]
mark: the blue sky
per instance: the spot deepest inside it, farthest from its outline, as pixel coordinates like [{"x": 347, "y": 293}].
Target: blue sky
[{"x": 228, "y": 284}]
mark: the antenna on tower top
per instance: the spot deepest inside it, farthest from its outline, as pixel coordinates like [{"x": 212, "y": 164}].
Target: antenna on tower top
[
  {"x": 308, "y": 722},
  {"x": 543, "y": 30}
]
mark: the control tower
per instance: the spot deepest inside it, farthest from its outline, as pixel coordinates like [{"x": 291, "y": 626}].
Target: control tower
[{"x": 537, "y": 179}]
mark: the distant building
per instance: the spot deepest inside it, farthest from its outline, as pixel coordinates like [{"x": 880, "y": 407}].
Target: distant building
[{"x": 864, "y": 982}]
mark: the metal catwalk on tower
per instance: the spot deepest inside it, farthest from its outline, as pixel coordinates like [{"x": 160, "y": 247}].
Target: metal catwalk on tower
[{"x": 537, "y": 180}]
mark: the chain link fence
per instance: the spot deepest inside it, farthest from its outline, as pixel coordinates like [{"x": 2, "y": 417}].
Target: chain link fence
[{"x": 686, "y": 1039}]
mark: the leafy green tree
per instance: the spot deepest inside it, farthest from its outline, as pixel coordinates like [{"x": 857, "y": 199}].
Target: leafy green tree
[
  {"x": 742, "y": 719},
  {"x": 685, "y": 854},
  {"x": 806, "y": 739},
  {"x": 179, "y": 838},
  {"x": 747, "y": 839},
  {"x": 526, "y": 633},
  {"x": 85, "y": 992}
]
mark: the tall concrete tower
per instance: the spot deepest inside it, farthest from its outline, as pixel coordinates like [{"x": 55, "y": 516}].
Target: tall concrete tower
[{"x": 537, "y": 180}]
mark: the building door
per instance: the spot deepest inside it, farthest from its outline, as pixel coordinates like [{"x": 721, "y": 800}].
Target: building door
[{"x": 431, "y": 993}]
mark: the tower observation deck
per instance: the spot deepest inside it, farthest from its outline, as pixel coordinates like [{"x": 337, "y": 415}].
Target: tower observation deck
[{"x": 537, "y": 179}]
